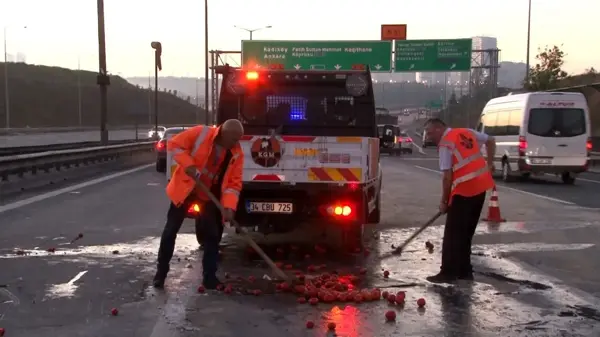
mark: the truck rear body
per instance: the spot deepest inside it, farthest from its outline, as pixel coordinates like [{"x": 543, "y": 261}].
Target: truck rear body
[{"x": 311, "y": 148}]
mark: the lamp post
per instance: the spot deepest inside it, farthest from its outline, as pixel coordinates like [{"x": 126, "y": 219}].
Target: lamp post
[
  {"x": 6, "y": 90},
  {"x": 528, "y": 41},
  {"x": 253, "y": 30},
  {"x": 103, "y": 79},
  {"x": 157, "y": 46}
]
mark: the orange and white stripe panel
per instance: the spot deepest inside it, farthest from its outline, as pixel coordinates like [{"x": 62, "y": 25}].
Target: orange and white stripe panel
[{"x": 342, "y": 174}]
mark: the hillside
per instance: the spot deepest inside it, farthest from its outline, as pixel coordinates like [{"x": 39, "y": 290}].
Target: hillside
[{"x": 42, "y": 96}]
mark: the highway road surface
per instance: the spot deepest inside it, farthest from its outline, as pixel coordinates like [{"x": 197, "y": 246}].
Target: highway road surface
[
  {"x": 536, "y": 273},
  {"x": 35, "y": 139}
]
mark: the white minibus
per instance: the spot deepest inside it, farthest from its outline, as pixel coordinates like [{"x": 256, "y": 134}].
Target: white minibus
[{"x": 539, "y": 133}]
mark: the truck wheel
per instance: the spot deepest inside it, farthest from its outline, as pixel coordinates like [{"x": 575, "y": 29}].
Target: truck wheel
[
  {"x": 161, "y": 166},
  {"x": 568, "y": 178},
  {"x": 375, "y": 216}
]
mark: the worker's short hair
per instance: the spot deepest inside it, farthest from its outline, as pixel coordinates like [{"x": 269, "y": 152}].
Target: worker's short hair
[{"x": 435, "y": 121}]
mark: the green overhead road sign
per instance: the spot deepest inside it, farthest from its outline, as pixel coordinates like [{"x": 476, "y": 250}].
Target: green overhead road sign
[
  {"x": 318, "y": 55},
  {"x": 433, "y": 55}
]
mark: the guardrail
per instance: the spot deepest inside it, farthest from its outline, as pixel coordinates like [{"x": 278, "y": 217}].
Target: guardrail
[
  {"x": 44, "y": 161},
  {"x": 12, "y": 131},
  {"x": 13, "y": 151}
]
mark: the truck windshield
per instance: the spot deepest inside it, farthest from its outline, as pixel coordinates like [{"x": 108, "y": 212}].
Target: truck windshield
[{"x": 301, "y": 109}]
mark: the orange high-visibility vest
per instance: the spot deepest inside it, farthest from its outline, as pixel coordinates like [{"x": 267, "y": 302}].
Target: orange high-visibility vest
[
  {"x": 193, "y": 147},
  {"x": 470, "y": 172}
]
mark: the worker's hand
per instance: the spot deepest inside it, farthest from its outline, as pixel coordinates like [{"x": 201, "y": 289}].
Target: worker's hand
[
  {"x": 443, "y": 207},
  {"x": 191, "y": 171},
  {"x": 229, "y": 215}
]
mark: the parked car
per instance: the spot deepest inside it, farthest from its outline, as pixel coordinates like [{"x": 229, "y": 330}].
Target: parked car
[{"x": 161, "y": 147}]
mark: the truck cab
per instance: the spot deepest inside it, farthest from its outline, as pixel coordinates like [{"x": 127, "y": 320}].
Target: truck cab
[{"x": 311, "y": 152}]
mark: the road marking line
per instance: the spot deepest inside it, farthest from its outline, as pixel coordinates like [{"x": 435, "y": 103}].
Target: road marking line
[
  {"x": 77, "y": 277},
  {"x": 419, "y": 148},
  {"x": 564, "y": 202},
  {"x": 589, "y": 180},
  {"x": 582, "y": 179},
  {"x": 428, "y": 169},
  {"x": 68, "y": 189}
]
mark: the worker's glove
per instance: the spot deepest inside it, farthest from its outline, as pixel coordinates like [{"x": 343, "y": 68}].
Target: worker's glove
[
  {"x": 228, "y": 215},
  {"x": 192, "y": 172}
]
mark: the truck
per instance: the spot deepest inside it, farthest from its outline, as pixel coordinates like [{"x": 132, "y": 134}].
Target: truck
[{"x": 311, "y": 152}]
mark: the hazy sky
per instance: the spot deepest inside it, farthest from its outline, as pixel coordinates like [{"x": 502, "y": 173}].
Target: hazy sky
[{"x": 60, "y": 31}]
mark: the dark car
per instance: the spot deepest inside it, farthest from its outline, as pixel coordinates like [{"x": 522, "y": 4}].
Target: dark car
[
  {"x": 161, "y": 148},
  {"x": 388, "y": 136}
]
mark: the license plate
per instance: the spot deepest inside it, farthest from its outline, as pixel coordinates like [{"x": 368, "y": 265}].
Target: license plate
[
  {"x": 270, "y": 207},
  {"x": 541, "y": 161}
]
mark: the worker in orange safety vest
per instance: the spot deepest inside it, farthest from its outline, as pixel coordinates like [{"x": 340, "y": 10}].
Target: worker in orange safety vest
[
  {"x": 211, "y": 156},
  {"x": 467, "y": 176}
]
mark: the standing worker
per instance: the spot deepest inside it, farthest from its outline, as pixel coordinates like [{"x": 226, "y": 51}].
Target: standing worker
[
  {"x": 212, "y": 157},
  {"x": 466, "y": 178}
]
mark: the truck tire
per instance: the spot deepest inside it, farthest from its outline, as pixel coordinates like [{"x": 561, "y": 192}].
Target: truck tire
[{"x": 375, "y": 216}]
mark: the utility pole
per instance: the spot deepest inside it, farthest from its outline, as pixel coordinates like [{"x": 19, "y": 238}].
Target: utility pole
[
  {"x": 79, "y": 90},
  {"x": 157, "y": 46},
  {"x": 206, "y": 52},
  {"x": 528, "y": 41},
  {"x": 6, "y": 91},
  {"x": 103, "y": 79}
]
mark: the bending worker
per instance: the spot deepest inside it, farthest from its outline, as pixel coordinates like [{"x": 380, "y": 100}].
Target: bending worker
[
  {"x": 212, "y": 157},
  {"x": 467, "y": 175}
]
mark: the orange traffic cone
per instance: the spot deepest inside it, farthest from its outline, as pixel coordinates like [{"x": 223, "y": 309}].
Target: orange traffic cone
[{"x": 494, "y": 208}]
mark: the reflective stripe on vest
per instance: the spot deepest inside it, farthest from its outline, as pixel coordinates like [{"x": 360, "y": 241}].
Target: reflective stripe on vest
[
  {"x": 232, "y": 191},
  {"x": 199, "y": 140},
  {"x": 470, "y": 176},
  {"x": 460, "y": 161}
]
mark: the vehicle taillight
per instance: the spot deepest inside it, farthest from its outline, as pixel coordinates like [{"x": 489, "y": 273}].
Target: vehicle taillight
[
  {"x": 252, "y": 75},
  {"x": 588, "y": 145},
  {"x": 397, "y": 140},
  {"x": 409, "y": 140},
  {"x": 160, "y": 145},
  {"x": 340, "y": 210},
  {"x": 193, "y": 209},
  {"x": 522, "y": 145},
  {"x": 353, "y": 186}
]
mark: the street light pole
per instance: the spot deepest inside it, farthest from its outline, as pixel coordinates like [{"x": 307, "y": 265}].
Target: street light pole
[
  {"x": 206, "y": 52},
  {"x": 157, "y": 46},
  {"x": 102, "y": 79},
  {"x": 79, "y": 90},
  {"x": 6, "y": 92},
  {"x": 528, "y": 41},
  {"x": 251, "y": 31}
]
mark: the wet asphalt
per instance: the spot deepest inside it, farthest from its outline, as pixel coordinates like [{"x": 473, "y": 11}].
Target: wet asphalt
[{"x": 68, "y": 260}]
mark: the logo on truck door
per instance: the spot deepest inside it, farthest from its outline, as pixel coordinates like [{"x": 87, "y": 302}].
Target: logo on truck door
[{"x": 266, "y": 152}]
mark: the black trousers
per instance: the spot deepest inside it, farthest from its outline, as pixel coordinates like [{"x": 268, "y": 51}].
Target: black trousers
[
  {"x": 461, "y": 221},
  {"x": 209, "y": 223}
]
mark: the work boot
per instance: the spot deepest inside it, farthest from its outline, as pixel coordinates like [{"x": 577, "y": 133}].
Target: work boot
[
  {"x": 160, "y": 277},
  {"x": 466, "y": 276},
  {"x": 211, "y": 282},
  {"x": 442, "y": 277}
]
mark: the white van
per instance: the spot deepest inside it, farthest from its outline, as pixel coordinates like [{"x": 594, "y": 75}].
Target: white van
[{"x": 538, "y": 133}]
